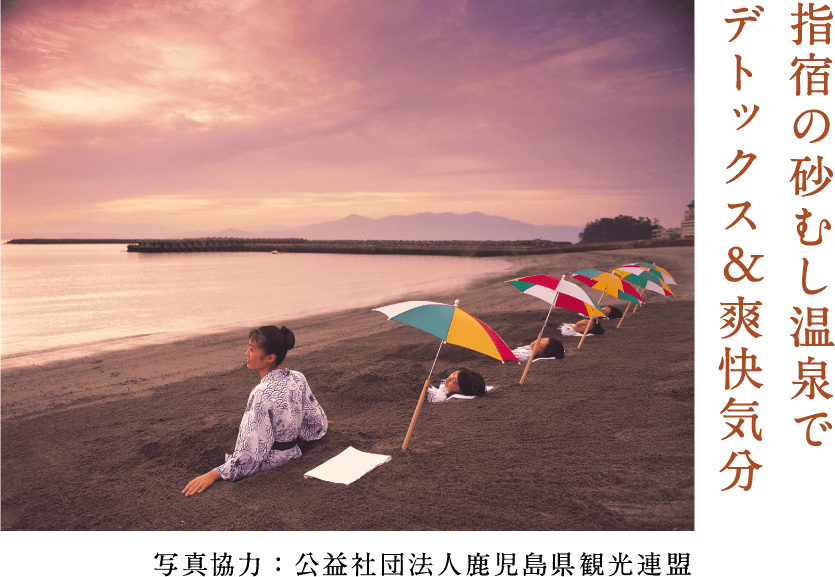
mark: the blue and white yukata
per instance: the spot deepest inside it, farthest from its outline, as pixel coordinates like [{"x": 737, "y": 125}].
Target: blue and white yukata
[{"x": 280, "y": 409}]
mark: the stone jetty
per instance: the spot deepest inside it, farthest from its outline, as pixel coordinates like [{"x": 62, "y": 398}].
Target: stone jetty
[{"x": 402, "y": 247}]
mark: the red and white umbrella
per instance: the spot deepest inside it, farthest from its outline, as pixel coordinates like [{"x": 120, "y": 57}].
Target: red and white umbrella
[{"x": 558, "y": 292}]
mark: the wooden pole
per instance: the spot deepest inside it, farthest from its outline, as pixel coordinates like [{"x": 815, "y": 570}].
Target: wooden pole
[
  {"x": 641, "y": 294},
  {"x": 530, "y": 360},
  {"x": 642, "y": 288},
  {"x": 415, "y": 416},
  {"x": 588, "y": 326},
  {"x": 536, "y": 344},
  {"x": 422, "y": 395},
  {"x": 623, "y": 316}
]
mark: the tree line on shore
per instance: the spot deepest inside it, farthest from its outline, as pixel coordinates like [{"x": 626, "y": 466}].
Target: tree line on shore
[{"x": 620, "y": 228}]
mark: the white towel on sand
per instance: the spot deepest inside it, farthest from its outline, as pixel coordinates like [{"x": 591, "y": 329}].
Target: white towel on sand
[
  {"x": 439, "y": 395},
  {"x": 347, "y": 466}
]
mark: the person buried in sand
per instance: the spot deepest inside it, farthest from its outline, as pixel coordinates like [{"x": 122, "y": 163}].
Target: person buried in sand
[
  {"x": 280, "y": 412},
  {"x": 463, "y": 382},
  {"x": 610, "y": 312},
  {"x": 578, "y": 329},
  {"x": 549, "y": 348}
]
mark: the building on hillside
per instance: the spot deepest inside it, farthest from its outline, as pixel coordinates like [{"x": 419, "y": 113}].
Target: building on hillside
[
  {"x": 666, "y": 233},
  {"x": 688, "y": 225}
]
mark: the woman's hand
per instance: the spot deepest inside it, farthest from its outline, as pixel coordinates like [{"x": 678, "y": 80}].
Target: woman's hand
[{"x": 201, "y": 483}]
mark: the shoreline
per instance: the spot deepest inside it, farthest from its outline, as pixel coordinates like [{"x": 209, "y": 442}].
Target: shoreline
[
  {"x": 102, "y": 365},
  {"x": 25, "y": 344}
]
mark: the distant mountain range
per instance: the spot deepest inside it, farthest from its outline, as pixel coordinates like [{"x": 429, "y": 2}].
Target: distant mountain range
[{"x": 423, "y": 226}]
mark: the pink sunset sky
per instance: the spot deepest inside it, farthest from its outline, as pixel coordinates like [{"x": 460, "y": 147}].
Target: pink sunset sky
[{"x": 219, "y": 114}]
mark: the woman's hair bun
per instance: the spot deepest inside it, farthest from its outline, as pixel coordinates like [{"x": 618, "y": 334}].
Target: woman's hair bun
[{"x": 289, "y": 338}]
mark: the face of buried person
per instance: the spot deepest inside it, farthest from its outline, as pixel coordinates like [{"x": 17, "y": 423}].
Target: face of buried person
[
  {"x": 606, "y": 310},
  {"x": 451, "y": 384},
  {"x": 256, "y": 360},
  {"x": 543, "y": 342}
]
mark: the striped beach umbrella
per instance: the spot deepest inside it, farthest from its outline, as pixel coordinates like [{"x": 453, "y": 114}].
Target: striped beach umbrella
[
  {"x": 656, "y": 270},
  {"x": 452, "y": 325},
  {"x": 607, "y": 283},
  {"x": 644, "y": 279},
  {"x": 558, "y": 292}
]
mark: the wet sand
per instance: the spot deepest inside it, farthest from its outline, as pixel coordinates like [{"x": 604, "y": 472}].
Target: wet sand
[{"x": 600, "y": 440}]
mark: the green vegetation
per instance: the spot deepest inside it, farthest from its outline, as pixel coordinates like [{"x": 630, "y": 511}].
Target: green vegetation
[{"x": 620, "y": 228}]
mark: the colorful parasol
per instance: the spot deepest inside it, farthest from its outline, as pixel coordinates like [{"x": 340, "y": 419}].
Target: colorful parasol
[
  {"x": 657, "y": 270},
  {"x": 664, "y": 278},
  {"x": 451, "y": 325},
  {"x": 558, "y": 293},
  {"x": 609, "y": 284},
  {"x": 643, "y": 279}
]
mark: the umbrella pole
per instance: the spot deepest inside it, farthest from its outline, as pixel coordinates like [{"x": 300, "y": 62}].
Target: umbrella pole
[
  {"x": 420, "y": 401},
  {"x": 635, "y": 309},
  {"x": 624, "y": 314},
  {"x": 585, "y": 332},
  {"x": 530, "y": 359},
  {"x": 642, "y": 288},
  {"x": 539, "y": 338},
  {"x": 588, "y": 326}
]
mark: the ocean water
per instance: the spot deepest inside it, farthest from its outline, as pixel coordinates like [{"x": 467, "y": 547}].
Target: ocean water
[{"x": 58, "y": 301}]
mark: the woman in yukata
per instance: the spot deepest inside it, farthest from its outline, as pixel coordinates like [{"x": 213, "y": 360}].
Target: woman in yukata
[{"x": 281, "y": 411}]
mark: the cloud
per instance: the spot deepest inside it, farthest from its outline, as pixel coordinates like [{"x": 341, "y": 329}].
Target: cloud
[{"x": 116, "y": 101}]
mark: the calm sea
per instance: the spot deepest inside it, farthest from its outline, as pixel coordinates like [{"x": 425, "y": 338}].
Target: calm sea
[{"x": 58, "y": 301}]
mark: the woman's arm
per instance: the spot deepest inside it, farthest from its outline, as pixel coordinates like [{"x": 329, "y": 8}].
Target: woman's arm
[
  {"x": 255, "y": 439},
  {"x": 314, "y": 423}
]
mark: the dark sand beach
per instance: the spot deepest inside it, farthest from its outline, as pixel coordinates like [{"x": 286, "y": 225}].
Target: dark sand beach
[{"x": 600, "y": 440}]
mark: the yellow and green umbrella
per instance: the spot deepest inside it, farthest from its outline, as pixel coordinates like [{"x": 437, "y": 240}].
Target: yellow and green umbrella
[
  {"x": 607, "y": 283},
  {"x": 644, "y": 279},
  {"x": 452, "y": 325}
]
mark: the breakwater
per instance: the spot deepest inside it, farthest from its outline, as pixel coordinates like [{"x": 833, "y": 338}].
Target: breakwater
[{"x": 399, "y": 247}]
